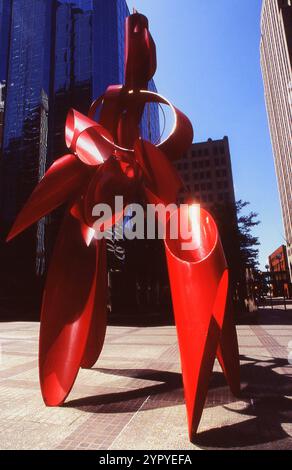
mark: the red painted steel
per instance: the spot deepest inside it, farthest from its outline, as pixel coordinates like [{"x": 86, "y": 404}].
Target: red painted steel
[
  {"x": 109, "y": 158},
  {"x": 199, "y": 286}
]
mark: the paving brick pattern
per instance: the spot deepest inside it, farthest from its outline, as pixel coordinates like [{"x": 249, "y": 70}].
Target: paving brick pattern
[{"x": 133, "y": 396}]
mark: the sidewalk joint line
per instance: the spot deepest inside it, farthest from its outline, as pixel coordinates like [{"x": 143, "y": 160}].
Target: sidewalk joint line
[{"x": 125, "y": 427}]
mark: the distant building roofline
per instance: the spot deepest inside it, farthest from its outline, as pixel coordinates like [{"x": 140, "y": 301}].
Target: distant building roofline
[{"x": 210, "y": 140}]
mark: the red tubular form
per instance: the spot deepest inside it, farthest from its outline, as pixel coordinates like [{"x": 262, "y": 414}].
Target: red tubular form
[
  {"x": 140, "y": 53},
  {"x": 108, "y": 158},
  {"x": 199, "y": 286}
]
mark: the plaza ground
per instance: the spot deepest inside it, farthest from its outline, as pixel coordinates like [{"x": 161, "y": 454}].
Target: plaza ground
[{"x": 133, "y": 397}]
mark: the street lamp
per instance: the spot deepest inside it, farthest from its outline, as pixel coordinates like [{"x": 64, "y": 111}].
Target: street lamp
[
  {"x": 278, "y": 258},
  {"x": 282, "y": 278},
  {"x": 269, "y": 284}
]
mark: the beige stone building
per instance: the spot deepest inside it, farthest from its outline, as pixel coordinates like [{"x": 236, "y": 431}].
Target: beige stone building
[
  {"x": 207, "y": 173},
  {"x": 276, "y": 60}
]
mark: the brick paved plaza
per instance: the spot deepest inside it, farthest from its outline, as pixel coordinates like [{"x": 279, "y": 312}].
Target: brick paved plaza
[{"x": 133, "y": 398}]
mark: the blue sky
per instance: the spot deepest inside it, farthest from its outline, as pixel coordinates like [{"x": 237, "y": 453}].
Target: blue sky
[{"x": 209, "y": 66}]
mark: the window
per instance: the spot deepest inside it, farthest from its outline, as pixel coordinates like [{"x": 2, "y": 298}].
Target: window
[
  {"x": 206, "y": 152},
  {"x": 207, "y": 163},
  {"x": 203, "y": 187},
  {"x": 194, "y": 153},
  {"x": 208, "y": 174},
  {"x": 209, "y": 186},
  {"x": 223, "y": 161},
  {"x": 222, "y": 150},
  {"x": 221, "y": 173},
  {"x": 195, "y": 176},
  {"x": 215, "y": 150},
  {"x": 216, "y": 161},
  {"x": 194, "y": 164}
]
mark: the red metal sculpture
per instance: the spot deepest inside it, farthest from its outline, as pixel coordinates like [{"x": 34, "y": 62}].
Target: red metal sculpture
[{"x": 109, "y": 158}]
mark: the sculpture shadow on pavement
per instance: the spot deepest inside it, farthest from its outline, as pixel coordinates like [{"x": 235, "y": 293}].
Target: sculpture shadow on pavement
[{"x": 257, "y": 422}]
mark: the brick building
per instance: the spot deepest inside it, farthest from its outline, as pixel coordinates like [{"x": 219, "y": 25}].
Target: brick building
[
  {"x": 280, "y": 274},
  {"x": 207, "y": 173}
]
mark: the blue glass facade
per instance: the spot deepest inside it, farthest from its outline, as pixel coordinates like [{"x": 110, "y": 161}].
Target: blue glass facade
[
  {"x": 28, "y": 71},
  {"x": 73, "y": 46},
  {"x": 5, "y": 17},
  {"x": 72, "y": 66},
  {"x": 25, "y": 69}
]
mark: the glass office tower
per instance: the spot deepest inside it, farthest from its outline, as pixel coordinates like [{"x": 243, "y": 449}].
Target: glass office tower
[
  {"x": 25, "y": 69},
  {"x": 5, "y": 14}
]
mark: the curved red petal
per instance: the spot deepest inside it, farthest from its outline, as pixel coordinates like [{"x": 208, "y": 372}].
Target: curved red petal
[
  {"x": 68, "y": 304},
  {"x": 61, "y": 182},
  {"x": 164, "y": 182},
  {"x": 227, "y": 352},
  {"x": 94, "y": 145}
]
